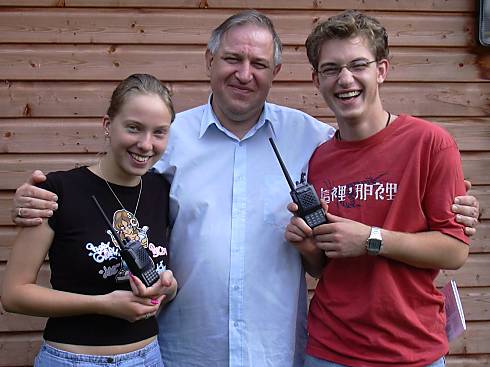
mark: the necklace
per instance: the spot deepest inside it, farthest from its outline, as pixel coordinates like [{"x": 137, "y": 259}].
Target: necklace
[
  {"x": 337, "y": 133},
  {"x": 113, "y": 193}
]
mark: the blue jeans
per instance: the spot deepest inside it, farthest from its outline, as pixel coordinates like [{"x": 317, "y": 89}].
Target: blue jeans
[
  {"x": 315, "y": 362},
  {"x": 148, "y": 356}
]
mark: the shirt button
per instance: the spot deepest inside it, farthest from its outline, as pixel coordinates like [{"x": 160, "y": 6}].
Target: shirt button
[
  {"x": 236, "y": 287},
  {"x": 235, "y": 323}
]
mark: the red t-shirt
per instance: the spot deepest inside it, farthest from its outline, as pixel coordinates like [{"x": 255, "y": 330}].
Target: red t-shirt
[{"x": 373, "y": 311}]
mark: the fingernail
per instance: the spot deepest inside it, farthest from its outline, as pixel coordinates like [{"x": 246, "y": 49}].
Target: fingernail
[
  {"x": 55, "y": 198},
  {"x": 455, "y": 207},
  {"x": 55, "y": 206}
]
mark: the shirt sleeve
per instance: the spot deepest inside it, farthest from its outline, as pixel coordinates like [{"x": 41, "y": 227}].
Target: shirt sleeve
[{"x": 445, "y": 182}]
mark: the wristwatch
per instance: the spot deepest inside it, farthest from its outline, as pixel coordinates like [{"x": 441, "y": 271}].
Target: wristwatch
[{"x": 374, "y": 242}]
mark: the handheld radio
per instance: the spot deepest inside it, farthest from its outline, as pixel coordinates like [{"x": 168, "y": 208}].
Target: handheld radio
[
  {"x": 303, "y": 195},
  {"x": 134, "y": 254}
]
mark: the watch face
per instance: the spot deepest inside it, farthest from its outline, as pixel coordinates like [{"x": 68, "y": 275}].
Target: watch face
[{"x": 374, "y": 246}]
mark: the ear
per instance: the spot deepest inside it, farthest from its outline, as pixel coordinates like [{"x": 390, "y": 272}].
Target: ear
[
  {"x": 106, "y": 122},
  {"x": 383, "y": 66},
  {"x": 209, "y": 60},
  {"x": 276, "y": 70},
  {"x": 316, "y": 81}
]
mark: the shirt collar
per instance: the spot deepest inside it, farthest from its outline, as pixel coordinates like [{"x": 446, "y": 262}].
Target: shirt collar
[{"x": 209, "y": 118}]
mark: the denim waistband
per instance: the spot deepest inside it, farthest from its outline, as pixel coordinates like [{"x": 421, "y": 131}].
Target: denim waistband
[{"x": 99, "y": 358}]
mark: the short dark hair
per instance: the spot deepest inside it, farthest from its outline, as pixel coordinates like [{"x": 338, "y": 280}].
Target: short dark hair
[{"x": 350, "y": 23}]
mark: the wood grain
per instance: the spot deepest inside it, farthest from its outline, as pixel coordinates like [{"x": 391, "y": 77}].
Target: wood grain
[{"x": 179, "y": 26}]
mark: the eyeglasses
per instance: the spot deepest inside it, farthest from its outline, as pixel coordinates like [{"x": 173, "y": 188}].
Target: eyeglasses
[{"x": 356, "y": 66}]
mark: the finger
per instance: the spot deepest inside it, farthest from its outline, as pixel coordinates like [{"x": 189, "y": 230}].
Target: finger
[
  {"x": 462, "y": 211},
  {"x": 466, "y": 200},
  {"x": 166, "y": 278},
  {"x": 36, "y": 177},
  {"x": 137, "y": 285},
  {"x": 34, "y": 197},
  {"x": 324, "y": 205},
  {"x": 469, "y": 231},
  {"x": 28, "y": 213},
  {"x": 293, "y": 208},
  {"x": 26, "y": 222},
  {"x": 334, "y": 219},
  {"x": 303, "y": 228},
  {"x": 467, "y": 184},
  {"x": 467, "y": 221},
  {"x": 332, "y": 254},
  {"x": 293, "y": 237}
]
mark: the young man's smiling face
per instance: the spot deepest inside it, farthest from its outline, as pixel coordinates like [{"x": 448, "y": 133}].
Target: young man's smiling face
[{"x": 351, "y": 94}]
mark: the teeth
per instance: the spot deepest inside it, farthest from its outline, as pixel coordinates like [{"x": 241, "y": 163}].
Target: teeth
[
  {"x": 139, "y": 158},
  {"x": 354, "y": 93}
]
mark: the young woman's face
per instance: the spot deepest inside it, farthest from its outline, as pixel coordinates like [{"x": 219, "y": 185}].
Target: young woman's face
[{"x": 138, "y": 135}]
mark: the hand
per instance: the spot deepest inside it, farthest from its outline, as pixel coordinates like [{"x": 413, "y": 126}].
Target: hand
[
  {"x": 341, "y": 237},
  {"x": 125, "y": 305},
  {"x": 31, "y": 203},
  {"x": 163, "y": 291},
  {"x": 297, "y": 230},
  {"x": 467, "y": 210},
  {"x": 300, "y": 235}
]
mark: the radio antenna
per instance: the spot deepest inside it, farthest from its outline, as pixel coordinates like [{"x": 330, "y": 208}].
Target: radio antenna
[
  {"x": 116, "y": 236},
  {"x": 284, "y": 170}
]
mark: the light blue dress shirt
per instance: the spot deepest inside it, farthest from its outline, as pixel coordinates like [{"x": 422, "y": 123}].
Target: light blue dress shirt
[{"x": 242, "y": 295}]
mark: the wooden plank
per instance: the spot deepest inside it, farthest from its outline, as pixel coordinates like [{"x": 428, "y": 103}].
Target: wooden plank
[
  {"x": 476, "y": 303},
  {"x": 186, "y": 63},
  {"x": 51, "y": 136},
  {"x": 90, "y": 99},
  {"x": 476, "y": 168},
  {"x": 84, "y": 135},
  {"x": 474, "y": 273},
  {"x": 415, "y": 5},
  {"x": 19, "y": 349},
  {"x": 480, "y": 242},
  {"x": 474, "y": 340},
  {"x": 11, "y": 322},
  {"x": 7, "y": 233},
  {"x": 179, "y": 26},
  {"x": 470, "y": 134},
  {"x": 482, "y": 360}
]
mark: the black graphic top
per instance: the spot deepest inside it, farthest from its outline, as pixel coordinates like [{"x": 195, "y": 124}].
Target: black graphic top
[{"x": 84, "y": 256}]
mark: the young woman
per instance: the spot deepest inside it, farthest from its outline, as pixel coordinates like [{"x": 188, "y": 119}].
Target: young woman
[{"x": 100, "y": 313}]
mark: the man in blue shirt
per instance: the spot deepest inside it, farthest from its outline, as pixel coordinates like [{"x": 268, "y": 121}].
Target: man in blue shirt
[{"x": 242, "y": 296}]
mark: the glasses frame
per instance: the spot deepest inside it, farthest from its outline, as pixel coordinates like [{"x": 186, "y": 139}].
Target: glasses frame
[{"x": 339, "y": 68}]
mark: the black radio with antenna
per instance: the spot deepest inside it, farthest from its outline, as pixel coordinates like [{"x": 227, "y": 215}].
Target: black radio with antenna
[
  {"x": 134, "y": 254},
  {"x": 303, "y": 195}
]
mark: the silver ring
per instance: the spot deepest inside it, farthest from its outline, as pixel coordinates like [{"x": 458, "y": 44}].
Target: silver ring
[
  {"x": 147, "y": 316},
  {"x": 19, "y": 213}
]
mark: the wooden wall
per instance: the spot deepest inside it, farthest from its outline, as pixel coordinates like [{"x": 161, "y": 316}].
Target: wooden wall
[{"x": 60, "y": 59}]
